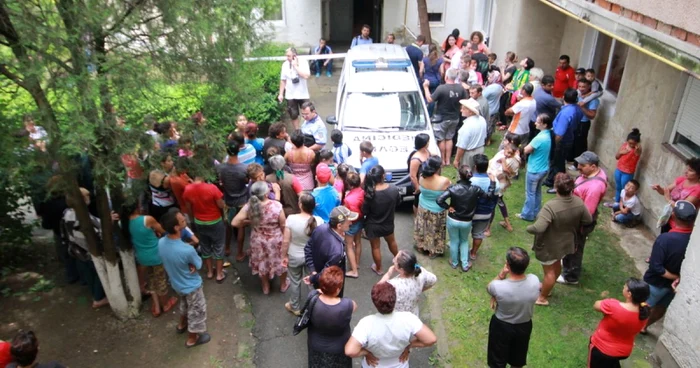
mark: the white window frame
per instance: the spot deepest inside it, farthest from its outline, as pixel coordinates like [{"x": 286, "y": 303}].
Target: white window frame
[
  {"x": 588, "y": 53},
  {"x": 442, "y": 11},
  {"x": 279, "y": 22},
  {"x": 681, "y": 148}
]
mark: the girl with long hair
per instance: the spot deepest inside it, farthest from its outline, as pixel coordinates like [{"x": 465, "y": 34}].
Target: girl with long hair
[{"x": 380, "y": 203}]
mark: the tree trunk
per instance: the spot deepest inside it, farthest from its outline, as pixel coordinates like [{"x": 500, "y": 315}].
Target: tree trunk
[
  {"x": 132, "y": 281},
  {"x": 424, "y": 22},
  {"x": 114, "y": 289}
]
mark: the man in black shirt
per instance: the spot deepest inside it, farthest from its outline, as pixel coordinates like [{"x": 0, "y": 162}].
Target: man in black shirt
[
  {"x": 447, "y": 97},
  {"x": 667, "y": 256}
]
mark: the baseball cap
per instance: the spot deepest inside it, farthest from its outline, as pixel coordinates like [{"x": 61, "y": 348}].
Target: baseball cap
[
  {"x": 587, "y": 157},
  {"x": 342, "y": 213},
  {"x": 580, "y": 71},
  {"x": 685, "y": 211},
  {"x": 323, "y": 173}
]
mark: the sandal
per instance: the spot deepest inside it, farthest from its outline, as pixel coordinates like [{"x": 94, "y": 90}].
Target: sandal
[
  {"x": 351, "y": 276},
  {"x": 544, "y": 304},
  {"x": 505, "y": 226},
  {"x": 221, "y": 281},
  {"x": 286, "y": 285},
  {"x": 373, "y": 267},
  {"x": 201, "y": 340},
  {"x": 180, "y": 331},
  {"x": 171, "y": 303}
]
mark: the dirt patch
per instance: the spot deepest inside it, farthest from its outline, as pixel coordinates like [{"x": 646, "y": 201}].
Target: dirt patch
[{"x": 73, "y": 333}]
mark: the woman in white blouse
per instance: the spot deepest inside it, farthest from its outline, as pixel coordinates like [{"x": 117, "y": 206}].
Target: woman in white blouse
[{"x": 410, "y": 282}]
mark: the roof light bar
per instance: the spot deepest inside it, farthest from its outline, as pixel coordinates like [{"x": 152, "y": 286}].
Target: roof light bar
[{"x": 381, "y": 63}]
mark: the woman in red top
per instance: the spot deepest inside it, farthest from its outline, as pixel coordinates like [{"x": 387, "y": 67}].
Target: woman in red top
[
  {"x": 686, "y": 188},
  {"x": 613, "y": 340},
  {"x": 354, "y": 200},
  {"x": 627, "y": 157}
]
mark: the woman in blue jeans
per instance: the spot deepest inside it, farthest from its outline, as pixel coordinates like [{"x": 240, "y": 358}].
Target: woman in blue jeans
[
  {"x": 463, "y": 199},
  {"x": 540, "y": 152}
]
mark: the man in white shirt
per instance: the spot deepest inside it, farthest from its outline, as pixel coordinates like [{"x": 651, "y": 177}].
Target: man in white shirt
[
  {"x": 472, "y": 136},
  {"x": 293, "y": 86},
  {"x": 522, "y": 112},
  {"x": 384, "y": 339}
]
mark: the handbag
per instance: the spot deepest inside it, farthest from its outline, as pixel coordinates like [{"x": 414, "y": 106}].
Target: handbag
[
  {"x": 304, "y": 319},
  {"x": 664, "y": 216}
]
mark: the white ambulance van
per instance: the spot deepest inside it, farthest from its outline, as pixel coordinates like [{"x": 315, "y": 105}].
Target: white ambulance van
[{"x": 379, "y": 100}]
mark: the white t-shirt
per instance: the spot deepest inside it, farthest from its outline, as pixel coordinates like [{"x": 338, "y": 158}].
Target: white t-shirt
[
  {"x": 386, "y": 336},
  {"x": 455, "y": 60},
  {"x": 294, "y": 91},
  {"x": 297, "y": 226},
  {"x": 472, "y": 134},
  {"x": 526, "y": 107},
  {"x": 632, "y": 203}
]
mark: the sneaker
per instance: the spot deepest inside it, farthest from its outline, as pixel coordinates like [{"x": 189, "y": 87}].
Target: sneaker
[
  {"x": 328, "y": 74},
  {"x": 288, "y": 307},
  {"x": 551, "y": 191},
  {"x": 609, "y": 204},
  {"x": 318, "y": 75},
  {"x": 562, "y": 280}
]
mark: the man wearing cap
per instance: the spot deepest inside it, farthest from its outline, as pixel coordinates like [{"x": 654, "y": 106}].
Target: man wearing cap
[
  {"x": 472, "y": 136},
  {"x": 325, "y": 195},
  {"x": 590, "y": 187},
  {"x": 667, "y": 256},
  {"x": 326, "y": 246},
  {"x": 313, "y": 128},
  {"x": 447, "y": 97}
]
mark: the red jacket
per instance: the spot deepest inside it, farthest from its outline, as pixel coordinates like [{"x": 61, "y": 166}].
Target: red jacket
[{"x": 563, "y": 79}]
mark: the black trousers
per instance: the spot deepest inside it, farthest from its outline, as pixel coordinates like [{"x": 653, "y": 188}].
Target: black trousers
[
  {"x": 572, "y": 264},
  {"x": 580, "y": 139},
  {"x": 561, "y": 152}
]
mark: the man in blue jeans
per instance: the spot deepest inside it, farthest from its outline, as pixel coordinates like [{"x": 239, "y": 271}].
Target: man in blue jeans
[
  {"x": 485, "y": 206},
  {"x": 537, "y": 168},
  {"x": 318, "y": 65},
  {"x": 565, "y": 125},
  {"x": 667, "y": 256}
]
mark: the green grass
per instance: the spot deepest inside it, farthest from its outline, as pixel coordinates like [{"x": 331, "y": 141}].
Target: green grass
[{"x": 561, "y": 331}]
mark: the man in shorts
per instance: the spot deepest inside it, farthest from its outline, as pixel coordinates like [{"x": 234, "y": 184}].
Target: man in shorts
[
  {"x": 205, "y": 201},
  {"x": 667, "y": 256},
  {"x": 181, "y": 262},
  {"x": 447, "y": 97},
  {"x": 293, "y": 86},
  {"x": 513, "y": 296}
]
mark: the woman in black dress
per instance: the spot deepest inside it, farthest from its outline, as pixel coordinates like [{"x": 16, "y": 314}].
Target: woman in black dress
[
  {"x": 380, "y": 204},
  {"x": 330, "y": 323}
]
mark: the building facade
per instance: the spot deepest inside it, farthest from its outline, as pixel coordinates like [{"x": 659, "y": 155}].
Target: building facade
[{"x": 647, "y": 55}]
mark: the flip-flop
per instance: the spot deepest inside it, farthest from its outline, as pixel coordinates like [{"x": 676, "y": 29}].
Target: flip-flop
[
  {"x": 352, "y": 276},
  {"x": 180, "y": 331},
  {"x": 286, "y": 285},
  {"x": 472, "y": 258},
  {"x": 222, "y": 280},
  {"x": 544, "y": 304},
  {"x": 171, "y": 303},
  {"x": 201, "y": 340},
  {"x": 373, "y": 267},
  {"x": 227, "y": 264},
  {"x": 503, "y": 225}
]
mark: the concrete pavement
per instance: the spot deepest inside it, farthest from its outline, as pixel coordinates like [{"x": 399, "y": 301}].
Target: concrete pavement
[{"x": 276, "y": 347}]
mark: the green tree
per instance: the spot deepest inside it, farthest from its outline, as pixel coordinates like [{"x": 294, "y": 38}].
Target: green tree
[{"x": 77, "y": 58}]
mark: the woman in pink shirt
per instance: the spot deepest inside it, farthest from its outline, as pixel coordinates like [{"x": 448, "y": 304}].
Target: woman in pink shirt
[
  {"x": 354, "y": 200},
  {"x": 686, "y": 187}
]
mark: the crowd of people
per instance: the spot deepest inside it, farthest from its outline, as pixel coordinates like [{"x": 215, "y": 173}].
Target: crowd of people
[{"x": 307, "y": 211}]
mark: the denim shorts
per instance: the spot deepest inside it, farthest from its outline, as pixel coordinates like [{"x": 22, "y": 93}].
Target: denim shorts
[
  {"x": 355, "y": 228},
  {"x": 660, "y": 296}
]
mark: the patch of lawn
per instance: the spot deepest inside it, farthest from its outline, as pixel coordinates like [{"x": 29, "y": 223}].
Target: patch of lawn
[{"x": 562, "y": 330}]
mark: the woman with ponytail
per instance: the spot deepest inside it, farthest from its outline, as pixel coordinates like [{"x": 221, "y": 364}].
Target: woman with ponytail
[
  {"x": 410, "y": 282},
  {"x": 613, "y": 340},
  {"x": 297, "y": 231},
  {"x": 430, "y": 223},
  {"x": 267, "y": 221},
  {"x": 290, "y": 187},
  {"x": 380, "y": 204}
]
